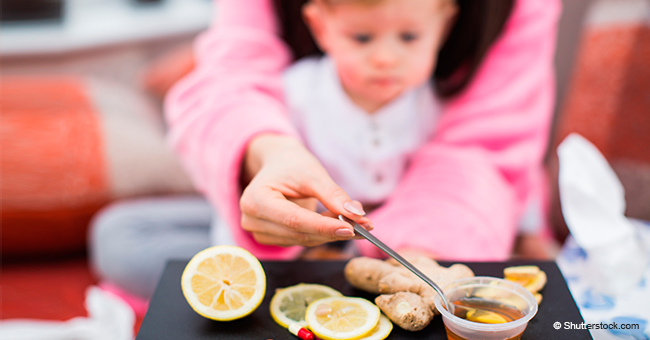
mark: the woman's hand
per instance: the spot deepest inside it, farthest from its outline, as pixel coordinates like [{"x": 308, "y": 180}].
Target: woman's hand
[{"x": 278, "y": 205}]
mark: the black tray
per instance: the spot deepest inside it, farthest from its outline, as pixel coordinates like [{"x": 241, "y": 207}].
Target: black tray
[{"x": 170, "y": 317}]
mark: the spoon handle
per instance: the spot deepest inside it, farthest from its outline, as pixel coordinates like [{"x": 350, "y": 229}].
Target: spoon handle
[{"x": 386, "y": 249}]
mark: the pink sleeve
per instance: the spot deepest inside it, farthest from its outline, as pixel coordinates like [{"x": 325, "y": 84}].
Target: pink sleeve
[
  {"x": 465, "y": 189},
  {"x": 234, "y": 93}
]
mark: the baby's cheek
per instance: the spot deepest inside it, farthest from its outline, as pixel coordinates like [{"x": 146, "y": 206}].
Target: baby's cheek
[
  {"x": 350, "y": 76},
  {"x": 422, "y": 69}
]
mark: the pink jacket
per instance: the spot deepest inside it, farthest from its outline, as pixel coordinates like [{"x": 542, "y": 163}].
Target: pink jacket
[{"x": 465, "y": 189}]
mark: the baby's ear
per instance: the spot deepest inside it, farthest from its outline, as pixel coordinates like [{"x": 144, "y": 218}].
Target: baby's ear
[{"x": 313, "y": 14}]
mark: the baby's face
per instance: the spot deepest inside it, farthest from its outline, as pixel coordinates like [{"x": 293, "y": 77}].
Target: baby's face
[{"x": 384, "y": 48}]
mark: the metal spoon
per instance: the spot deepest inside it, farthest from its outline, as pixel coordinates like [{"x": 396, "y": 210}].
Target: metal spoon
[{"x": 386, "y": 249}]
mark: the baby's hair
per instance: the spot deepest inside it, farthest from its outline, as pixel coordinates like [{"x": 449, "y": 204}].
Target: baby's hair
[{"x": 358, "y": 2}]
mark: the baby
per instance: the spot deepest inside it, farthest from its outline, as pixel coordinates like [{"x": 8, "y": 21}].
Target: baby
[{"x": 367, "y": 105}]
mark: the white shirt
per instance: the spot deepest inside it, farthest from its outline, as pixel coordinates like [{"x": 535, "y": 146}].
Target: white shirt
[{"x": 365, "y": 154}]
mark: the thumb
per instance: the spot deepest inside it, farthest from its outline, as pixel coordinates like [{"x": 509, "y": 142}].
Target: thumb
[{"x": 336, "y": 199}]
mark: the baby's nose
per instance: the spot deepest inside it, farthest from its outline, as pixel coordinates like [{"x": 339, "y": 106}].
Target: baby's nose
[{"x": 385, "y": 56}]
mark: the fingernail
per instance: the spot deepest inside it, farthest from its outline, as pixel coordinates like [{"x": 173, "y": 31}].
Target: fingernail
[
  {"x": 354, "y": 208},
  {"x": 367, "y": 226},
  {"x": 344, "y": 232}
]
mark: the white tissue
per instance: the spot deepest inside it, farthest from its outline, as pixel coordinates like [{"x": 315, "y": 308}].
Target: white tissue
[
  {"x": 109, "y": 318},
  {"x": 593, "y": 205}
]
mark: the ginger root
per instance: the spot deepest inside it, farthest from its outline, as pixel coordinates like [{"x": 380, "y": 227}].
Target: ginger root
[
  {"x": 405, "y": 299},
  {"x": 406, "y": 309}
]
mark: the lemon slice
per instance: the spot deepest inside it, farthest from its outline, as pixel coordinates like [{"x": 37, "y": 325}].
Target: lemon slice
[
  {"x": 289, "y": 304},
  {"x": 341, "y": 317},
  {"x": 381, "y": 331},
  {"x": 224, "y": 283},
  {"x": 485, "y": 316}
]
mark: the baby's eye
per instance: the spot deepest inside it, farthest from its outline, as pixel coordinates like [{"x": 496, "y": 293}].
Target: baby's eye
[
  {"x": 408, "y": 36},
  {"x": 362, "y": 38}
]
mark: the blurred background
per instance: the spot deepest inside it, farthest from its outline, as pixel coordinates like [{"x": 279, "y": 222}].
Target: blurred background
[{"x": 81, "y": 125}]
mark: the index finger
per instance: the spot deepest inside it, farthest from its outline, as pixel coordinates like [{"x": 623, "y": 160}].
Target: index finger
[
  {"x": 335, "y": 199},
  {"x": 282, "y": 211}
]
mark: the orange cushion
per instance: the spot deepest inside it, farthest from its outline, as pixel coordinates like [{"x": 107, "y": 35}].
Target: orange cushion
[{"x": 53, "y": 169}]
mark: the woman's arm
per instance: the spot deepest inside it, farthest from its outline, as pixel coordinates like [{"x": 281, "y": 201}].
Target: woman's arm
[
  {"x": 232, "y": 97},
  {"x": 233, "y": 94},
  {"x": 465, "y": 189}
]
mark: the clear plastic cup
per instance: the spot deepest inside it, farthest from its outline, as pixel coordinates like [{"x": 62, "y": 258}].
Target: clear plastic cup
[{"x": 489, "y": 289}]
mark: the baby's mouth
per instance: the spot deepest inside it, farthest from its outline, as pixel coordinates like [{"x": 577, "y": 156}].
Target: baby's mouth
[{"x": 383, "y": 81}]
